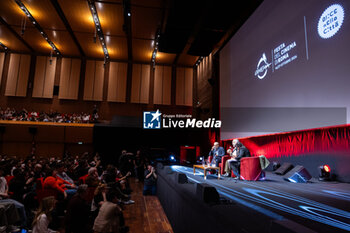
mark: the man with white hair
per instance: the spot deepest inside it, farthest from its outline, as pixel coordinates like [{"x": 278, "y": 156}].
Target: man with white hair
[
  {"x": 241, "y": 151},
  {"x": 217, "y": 152}
]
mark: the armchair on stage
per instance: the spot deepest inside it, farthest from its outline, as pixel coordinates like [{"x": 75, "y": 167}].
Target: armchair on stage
[{"x": 250, "y": 167}]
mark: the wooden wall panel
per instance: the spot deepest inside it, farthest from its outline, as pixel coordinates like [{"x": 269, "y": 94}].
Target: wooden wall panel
[
  {"x": 136, "y": 83},
  {"x": 23, "y": 76},
  {"x": 188, "y": 99},
  {"x": 99, "y": 81},
  {"x": 184, "y": 84},
  {"x": 117, "y": 82},
  {"x": 158, "y": 85},
  {"x": 74, "y": 79},
  {"x": 69, "y": 78},
  {"x": 2, "y": 59},
  {"x": 162, "y": 85},
  {"x": 49, "y": 77},
  {"x": 18, "y": 73},
  {"x": 89, "y": 79},
  {"x": 64, "y": 78},
  {"x": 145, "y": 83},
  {"x": 180, "y": 83},
  {"x": 44, "y": 77},
  {"x": 94, "y": 79},
  {"x": 140, "y": 83}
]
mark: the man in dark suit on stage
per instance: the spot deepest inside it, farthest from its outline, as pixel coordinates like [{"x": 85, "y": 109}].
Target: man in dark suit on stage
[
  {"x": 217, "y": 152},
  {"x": 242, "y": 151}
]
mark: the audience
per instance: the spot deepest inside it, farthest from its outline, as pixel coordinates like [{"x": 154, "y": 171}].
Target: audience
[
  {"x": 96, "y": 204},
  {"x": 52, "y": 116}
]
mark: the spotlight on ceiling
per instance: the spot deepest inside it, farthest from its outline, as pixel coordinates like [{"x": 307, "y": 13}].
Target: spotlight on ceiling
[
  {"x": 324, "y": 173},
  {"x": 155, "y": 50},
  {"x": 98, "y": 29},
  {"x": 37, "y": 26},
  {"x": 3, "y": 46}
]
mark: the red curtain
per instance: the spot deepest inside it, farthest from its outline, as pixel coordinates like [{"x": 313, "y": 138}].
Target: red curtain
[{"x": 327, "y": 139}]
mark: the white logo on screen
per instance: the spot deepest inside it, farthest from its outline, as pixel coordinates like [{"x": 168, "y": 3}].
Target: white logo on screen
[
  {"x": 330, "y": 21},
  {"x": 262, "y": 67}
]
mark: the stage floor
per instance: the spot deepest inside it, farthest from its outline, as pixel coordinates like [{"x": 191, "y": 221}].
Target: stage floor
[{"x": 317, "y": 206}]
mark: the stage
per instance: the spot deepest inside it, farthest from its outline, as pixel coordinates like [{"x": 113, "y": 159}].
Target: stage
[{"x": 272, "y": 205}]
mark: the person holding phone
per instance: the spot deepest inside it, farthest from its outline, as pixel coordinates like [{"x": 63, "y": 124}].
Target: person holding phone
[{"x": 150, "y": 181}]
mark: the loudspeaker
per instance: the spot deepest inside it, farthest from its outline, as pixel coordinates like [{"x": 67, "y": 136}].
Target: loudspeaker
[
  {"x": 284, "y": 169},
  {"x": 299, "y": 174},
  {"x": 181, "y": 178},
  {"x": 207, "y": 193},
  {"x": 33, "y": 130}
]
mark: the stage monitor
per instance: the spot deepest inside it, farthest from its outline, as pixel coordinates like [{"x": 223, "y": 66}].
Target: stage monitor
[{"x": 287, "y": 68}]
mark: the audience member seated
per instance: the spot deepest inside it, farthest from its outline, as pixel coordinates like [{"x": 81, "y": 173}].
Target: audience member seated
[
  {"x": 92, "y": 180},
  {"x": 150, "y": 183},
  {"x": 8, "y": 218},
  {"x": 78, "y": 211},
  {"x": 52, "y": 116},
  {"x": 217, "y": 152},
  {"x": 63, "y": 175},
  {"x": 8, "y": 213},
  {"x": 5, "y": 199},
  {"x": 43, "y": 216},
  {"x": 99, "y": 199},
  {"x": 114, "y": 179},
  {"x": 108, "y": 218}
]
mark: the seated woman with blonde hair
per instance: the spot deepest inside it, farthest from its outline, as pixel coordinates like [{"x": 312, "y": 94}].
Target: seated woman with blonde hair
[{"x": 43, "y": 216}]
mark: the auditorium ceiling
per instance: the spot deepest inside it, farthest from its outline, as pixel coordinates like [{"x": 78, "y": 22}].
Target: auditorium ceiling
[{"x": 177, "y": 32}]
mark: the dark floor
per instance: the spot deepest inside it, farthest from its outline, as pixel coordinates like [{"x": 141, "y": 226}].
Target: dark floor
[
  {"x": 147, "y": 214},
  {"x": 317, "y": 206}
]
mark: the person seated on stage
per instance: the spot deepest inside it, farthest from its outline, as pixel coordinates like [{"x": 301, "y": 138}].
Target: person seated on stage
[
  {"x": 233, "y": 153},
  {"x": 217, "y": 152},
  {"x": 241, "y": 151}
]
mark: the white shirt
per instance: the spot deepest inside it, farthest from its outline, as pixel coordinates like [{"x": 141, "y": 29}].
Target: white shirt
[{"x": 42, "y": 224}]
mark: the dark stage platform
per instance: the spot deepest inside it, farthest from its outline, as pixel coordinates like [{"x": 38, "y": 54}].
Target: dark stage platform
[{"x": 272, "y": 205}]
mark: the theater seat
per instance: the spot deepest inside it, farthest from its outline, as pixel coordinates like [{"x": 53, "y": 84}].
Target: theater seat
[
  {"x": 82, "y": 179},
  {"x": 250, "y": 168},
  {"x": 8, "y": 179}
]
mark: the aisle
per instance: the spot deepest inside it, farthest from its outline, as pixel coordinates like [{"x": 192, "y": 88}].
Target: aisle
[{"x": 147, "y": 214}]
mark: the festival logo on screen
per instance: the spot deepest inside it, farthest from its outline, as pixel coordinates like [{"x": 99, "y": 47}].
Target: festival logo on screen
[
  {"x": 262, "y": 67},
  {"x": 330, "y": 21},
  {"x": 151, "y": 120}
]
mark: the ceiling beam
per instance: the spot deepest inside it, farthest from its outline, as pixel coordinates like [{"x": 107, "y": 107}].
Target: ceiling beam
[
  {"x": 127, "y": 27},
  {"x": 196, "y": 29},
  {"x": 2, "y": 21},
  {"x": 60, "y": 13}
]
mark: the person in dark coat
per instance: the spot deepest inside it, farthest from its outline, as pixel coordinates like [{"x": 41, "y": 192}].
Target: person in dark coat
[{"x": 78, "y": 212}]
